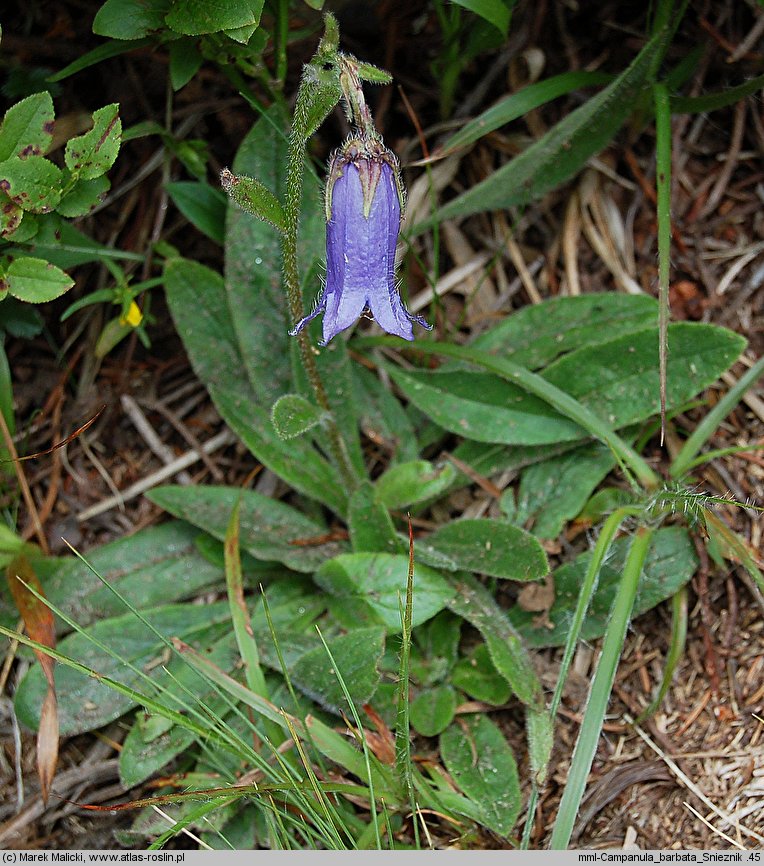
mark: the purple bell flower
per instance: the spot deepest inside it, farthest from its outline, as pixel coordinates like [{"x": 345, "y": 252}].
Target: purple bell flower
[{"x": 363, "y": 212}]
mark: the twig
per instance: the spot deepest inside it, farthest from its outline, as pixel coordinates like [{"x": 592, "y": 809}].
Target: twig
[
  {"x": 62, "y": 785},
  {"x": 448, "y": 282},
  {"x": 750, "y": 40},
  {"x": 516, "y": 255},
  {"x": 158, "y": 406},
  {"x": 691, "y": 786},
  {"x": 712, "y": 828},
  {"x": 55, "y": 478},
  {"x": 100, "y": 469},
  {"x": 571, "y": 232},
  {"x": 225, "y": 437},
  {"x": 736, "y": 140},
  {"x": 726, "y": 281},
  {"x": 150, "y": 437}
]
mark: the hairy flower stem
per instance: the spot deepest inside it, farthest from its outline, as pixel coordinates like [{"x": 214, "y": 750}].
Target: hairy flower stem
[{"x": 336, "y": 443}]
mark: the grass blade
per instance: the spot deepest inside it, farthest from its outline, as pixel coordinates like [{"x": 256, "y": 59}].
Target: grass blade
[
  {"x": 517, "y": 104},
  {"x": 242, "y": 627},
  {"x": 596, "y": 707},
  {"x": 403, "y": 765},
  {"x": 588, "y": 585},
  {"x": 675, "y": 652}
]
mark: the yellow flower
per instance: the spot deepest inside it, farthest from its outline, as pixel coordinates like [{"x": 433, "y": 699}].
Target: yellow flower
[{"x": 134, "y": 316}]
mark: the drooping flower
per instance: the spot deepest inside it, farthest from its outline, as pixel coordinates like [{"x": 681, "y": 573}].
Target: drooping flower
[{"x": 363, "y": 213}]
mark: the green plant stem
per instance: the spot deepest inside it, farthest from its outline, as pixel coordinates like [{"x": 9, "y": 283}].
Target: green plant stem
[
  {"x": 549, "y": 393},
  {"x": 663, "y": 182},
  {"x": 336, "y": 443},
  {"x": 591, "y": 724},
  {"x": 239, "y": 83},
  {"x": 403, "y": 767},
  {"x": 703, "y": 432},
  {"x": 282, "y": 36},
  {"x": 708, "y": 456}
]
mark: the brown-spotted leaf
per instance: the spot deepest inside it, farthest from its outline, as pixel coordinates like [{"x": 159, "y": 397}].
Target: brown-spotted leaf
[{"x": 38, "y": 620}]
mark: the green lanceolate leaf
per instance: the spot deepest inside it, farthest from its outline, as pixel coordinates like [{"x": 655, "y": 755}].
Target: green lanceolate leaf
[
  {"x": 292, "y": 415},
  {"x": 27, "y": 127},
  {"x": 142, "y": 756},
  {"x": 477, "y": 676},
  {"x": 432, "y": 710},
  {"x": 474, "y": 603},
  {"x": 202, "y": 205},
  {"x": 416, "y": 481},
  {"x": 367, "y": 588},
  {"x": 35, "y": 280},
  {"x": 59, "y": 242},
  {"x": 103, "y": 52},
  {"x": 199, "y": 306},
  {"x": 91, "y": 155},
  {"x": 370, "y": 525},
  {"x": 518, "y": 104},
  {"x": 490, "y": 547},
  {"x": 537, "y": 334},
  {"x": 485, "y": 408},
  {"x": 269, "y": 530},
  {"x": 482, "y": 765},
  {"x": 562, "y": 151},
  {"x": 617, "y": 381},
  {"x": 159, "y": 564},
  {"x": 670, "y": 563},
  {"x": 356, "y": 655},
  {"x": 555, "y": 490}
]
